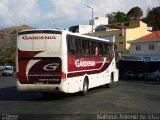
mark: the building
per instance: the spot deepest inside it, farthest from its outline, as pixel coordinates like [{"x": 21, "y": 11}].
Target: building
[
  {"x": 106, "y": 31},
  {"x": 134, "y": 30},
  {"x": 123, "y": 32},
  {"x": 84, "y": 29},
  {"x": 149, "y": 44},
  {"x": 146, "y": 48},
  {"x": 99, "y": 21},
  {"x": 144, "y": 54}
]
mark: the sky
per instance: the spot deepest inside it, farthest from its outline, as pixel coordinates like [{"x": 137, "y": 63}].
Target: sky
[{"x": 63, "y": 13}]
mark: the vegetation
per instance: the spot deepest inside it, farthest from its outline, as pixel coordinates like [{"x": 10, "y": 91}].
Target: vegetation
[
  {"x": 9, "y": 56},
  {"x": 8, "y": 35},
  {"x": 135, "y": 13},
  {"x": 111, "y": 18},
  {"x": 8, "y": 38},
  {"x": 152, "y": 18},
  {"x": 121, "y": 17}
]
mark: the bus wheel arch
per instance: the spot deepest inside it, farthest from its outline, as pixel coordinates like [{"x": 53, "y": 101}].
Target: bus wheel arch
[{"x": 110, "y": 84}]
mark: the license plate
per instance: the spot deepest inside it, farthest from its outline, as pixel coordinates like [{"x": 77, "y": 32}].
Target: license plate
[{"x": 39, "y": 82}]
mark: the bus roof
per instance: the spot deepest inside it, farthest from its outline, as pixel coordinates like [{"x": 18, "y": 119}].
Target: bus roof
[
  {"x": 68, "y": 33},
  {"x": 87, "y": 36}
]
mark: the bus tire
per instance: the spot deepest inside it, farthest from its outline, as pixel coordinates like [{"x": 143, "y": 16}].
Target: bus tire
[
  {"x": 46, "y": 94},
  {"x": 109, "y": 85},
  {"x": 157, "y": 78},
  {"x": 85, "y": 87}
]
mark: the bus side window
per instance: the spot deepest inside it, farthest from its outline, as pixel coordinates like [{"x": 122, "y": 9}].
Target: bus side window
[
  {"x": 106, "y": 49},
  {"x": 85, "y": 47},
  {"x": 100, "y": 48},
  {"x": 92, "y": 47},
  {"x": 71, "y": 45},
  {"x": 97, "y": 50},
  {"x": 111, "y": 50},
  {"x": 78, "y": 46}
]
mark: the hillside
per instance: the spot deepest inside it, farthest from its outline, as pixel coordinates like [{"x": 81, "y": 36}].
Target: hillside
[
  {"x": 8, "y": 35},
  {"x": 8, "y": 38}
]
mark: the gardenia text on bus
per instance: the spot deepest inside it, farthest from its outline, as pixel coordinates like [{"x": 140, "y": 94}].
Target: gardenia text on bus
[
  {"x": 80, "y": 63},
  {"x": 38, "y": 37}
]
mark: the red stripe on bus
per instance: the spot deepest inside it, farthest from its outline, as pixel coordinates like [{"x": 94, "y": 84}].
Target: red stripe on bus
[{"x": 91, "y": 71}]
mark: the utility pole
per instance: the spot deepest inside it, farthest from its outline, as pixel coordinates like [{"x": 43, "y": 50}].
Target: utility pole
[{"x": 92, "y": 16}]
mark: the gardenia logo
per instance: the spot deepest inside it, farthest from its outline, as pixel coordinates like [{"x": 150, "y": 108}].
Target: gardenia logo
[
  {"x": 80, "y": 63},
  {"x": 51, "y": 67},
  {"x": 38, "y": 37}
]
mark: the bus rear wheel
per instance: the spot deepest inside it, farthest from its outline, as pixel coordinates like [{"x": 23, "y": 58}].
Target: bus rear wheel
[
  {"x": 85, "y": 87},
  {"x": 157, "y": 78},
  {"x": 109, "y": 85}
]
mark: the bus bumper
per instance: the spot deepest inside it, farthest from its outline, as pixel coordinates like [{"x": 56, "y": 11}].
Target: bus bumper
[{"x": 62, "y": 87}]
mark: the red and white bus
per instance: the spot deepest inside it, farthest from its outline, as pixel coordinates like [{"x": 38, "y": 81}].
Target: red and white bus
[{"x": 57, "y": 60}]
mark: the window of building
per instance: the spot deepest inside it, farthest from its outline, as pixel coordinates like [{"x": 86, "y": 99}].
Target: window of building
[
  {"x": 126, "y": 24},
  {"x": 138, "y": 47},
  {"x": 120, "y": 34},
  {"x": 102, "y": 28},
  {"x": 120, "y": 43},
  {"x": 151, "y": 46},
  {"x": 97, "y": 29}
]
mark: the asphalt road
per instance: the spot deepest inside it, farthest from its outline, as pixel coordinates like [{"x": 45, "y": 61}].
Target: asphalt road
[{"x": 125, "y": 97}]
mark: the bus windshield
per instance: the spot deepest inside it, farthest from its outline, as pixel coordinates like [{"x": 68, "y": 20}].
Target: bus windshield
[{"x": 39, "y": 40}]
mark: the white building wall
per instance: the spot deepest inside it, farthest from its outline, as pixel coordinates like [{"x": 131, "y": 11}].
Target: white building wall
[
  {"x": 83, "y": 29},
  {"x": 99, "y": 21},
  {"x": 145, "y": 48}
]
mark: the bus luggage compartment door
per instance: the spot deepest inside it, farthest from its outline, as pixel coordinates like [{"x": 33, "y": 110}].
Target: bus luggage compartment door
[{"x": 43, "y": 71}]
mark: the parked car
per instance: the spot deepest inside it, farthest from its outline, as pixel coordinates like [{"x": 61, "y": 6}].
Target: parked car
[
  {"x": 129, "y": 74},
  {"x": 1, "y": 68},
  {"x": 139, "y": 74},
  {"x": 154, "y": 75},
  {"x": 134, "y": 74},
  {"x": 7, "y": 71}
]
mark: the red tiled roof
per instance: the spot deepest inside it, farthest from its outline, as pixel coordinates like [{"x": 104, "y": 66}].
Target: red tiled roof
[{"x": 153, "y": 35}]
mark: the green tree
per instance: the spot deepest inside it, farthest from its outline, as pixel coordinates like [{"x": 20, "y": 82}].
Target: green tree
[
  {"x": 153, "y": 18},
  {"x": 121, "y": 17},
  {"x": 111, "y": 18},
  {"x": 135, "y": 13},
  {"x": 8, "y": 57}
]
